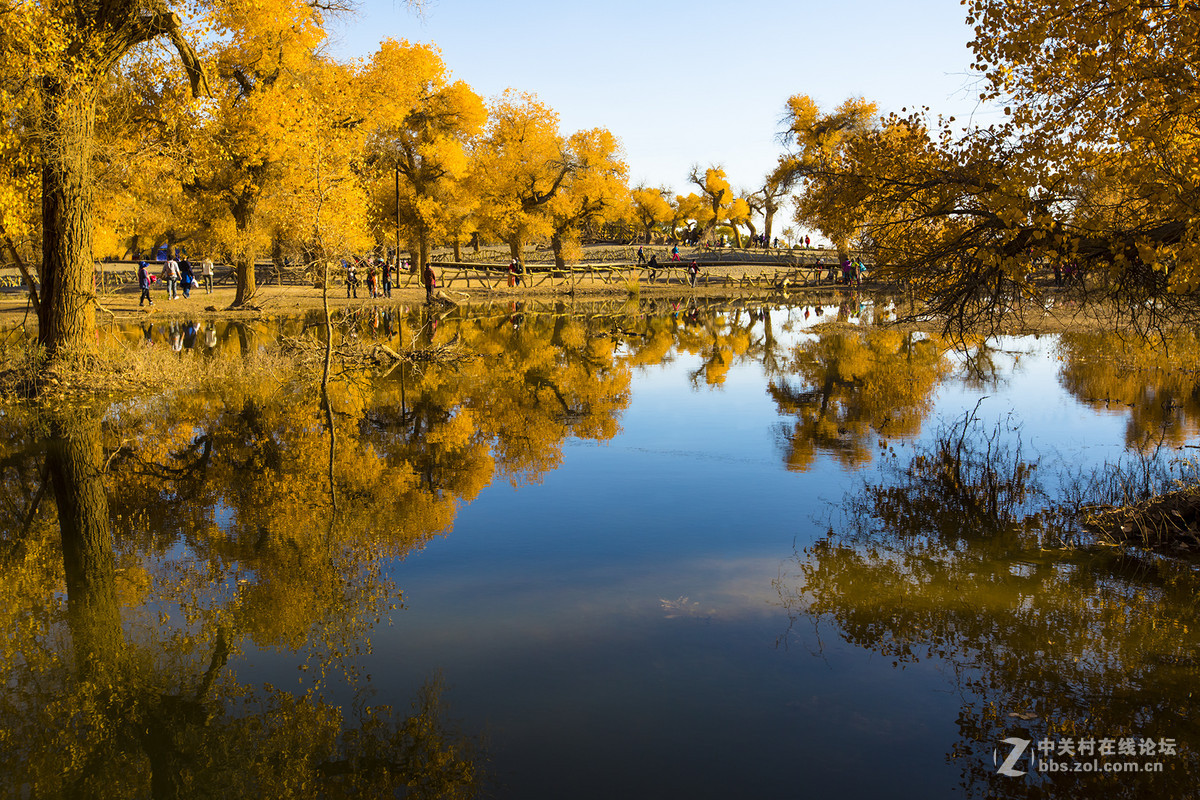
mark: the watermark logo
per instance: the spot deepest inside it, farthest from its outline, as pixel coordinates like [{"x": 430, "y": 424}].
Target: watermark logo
[
  {"x": 1083, "y": 754},
  {"x": 1014, "y": 755}
]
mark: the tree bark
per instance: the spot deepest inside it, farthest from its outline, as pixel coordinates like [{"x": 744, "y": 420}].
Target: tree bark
[
  {"x": 556, "y": 242},
  {"x": 67, "y": 311},
  {"x": 75, "y": 466},
  {"x": 422, "y": 247},
  {"x": 243, "y": 214}
]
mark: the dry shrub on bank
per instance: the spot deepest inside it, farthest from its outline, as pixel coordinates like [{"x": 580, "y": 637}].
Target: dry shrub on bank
[{"x": 1170, "y": 521}]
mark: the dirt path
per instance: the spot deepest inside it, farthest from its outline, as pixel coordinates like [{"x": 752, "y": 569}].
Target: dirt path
[{"x": 121, "y": 302}]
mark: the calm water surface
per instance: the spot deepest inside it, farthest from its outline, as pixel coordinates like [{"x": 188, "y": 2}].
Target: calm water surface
[{"x": 622, "y": 560}]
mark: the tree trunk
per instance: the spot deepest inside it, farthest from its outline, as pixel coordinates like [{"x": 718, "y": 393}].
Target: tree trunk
[
  {"x": 560, "y": 263},
  {"x": 243, "y": 213},
  {"x": 514, "y": 247},
  {"x": 67, "y": 311},
  {"x": 277, "y": 259},
  {"x": 422, "y": 247},
  {"x": 457, "y": 248},
  {"x": 75, "y": 466}
]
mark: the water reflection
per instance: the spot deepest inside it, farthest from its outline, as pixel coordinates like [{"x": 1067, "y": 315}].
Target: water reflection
[
  {"x": 846, "y": 388},
  {"x": 1153, "y": 381},
  {"x": 191, "y": 613},
  {"x": 948, "y": 561},
  {"x": 196, "y": 532},
  {"x": 121, "y": 668}
]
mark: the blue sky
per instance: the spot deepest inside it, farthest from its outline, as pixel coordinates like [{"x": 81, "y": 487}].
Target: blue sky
[{"x": 690, "y": 82}]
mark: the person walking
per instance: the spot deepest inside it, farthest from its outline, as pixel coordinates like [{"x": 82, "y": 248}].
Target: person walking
[
  {"x": 144, "y": 283},
  {"x": 186, "y": 278},
  {"x": 206, "y": 272},
  {"x": 351, "y": 278},
  {"x": 693, "y": 271},
  {"x": 652, "y": 267},
  {"x": 385, "y": 274},
  {"x": 430, "y": 279},
  {"x": 171, "y": 278},
  {"x": 372, "y": 284}
]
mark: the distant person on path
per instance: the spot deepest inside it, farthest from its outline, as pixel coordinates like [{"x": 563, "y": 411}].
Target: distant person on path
[
  {"x": 206, "y": 272},
  {"x": 170, "y": 277},
  {"x": 144, "y": 283},
  {"x": 372, "y": 282},
  {"x": 652, "y": 267},
  {"x": 641, "y": 256},
  {"x": 807, "y": 242},
  {"x": 675, "y": 253},
  {"x": 693, "y": 271},
  {"x": 186, "y": 278},
  {"x": 385, "y": 275},
  {"x": 430, "y": 280},
  {"x": 351, "y": 278}
]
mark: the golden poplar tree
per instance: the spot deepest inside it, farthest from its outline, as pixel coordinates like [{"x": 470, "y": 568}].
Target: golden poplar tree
[
  {"x": 420, "y": 152},
  {"x": 66, "y": 51}
]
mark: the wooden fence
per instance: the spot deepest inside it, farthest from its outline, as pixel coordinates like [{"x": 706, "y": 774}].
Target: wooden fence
[
  {"x": 729, "y": 274},
  {"x": 752, "y": 275}
]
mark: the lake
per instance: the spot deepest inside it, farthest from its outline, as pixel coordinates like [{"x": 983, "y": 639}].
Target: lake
[{"x": 638, "y": 550}]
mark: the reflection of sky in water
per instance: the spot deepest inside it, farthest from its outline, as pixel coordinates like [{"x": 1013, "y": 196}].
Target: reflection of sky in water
[{"x": 614, "y": 631}]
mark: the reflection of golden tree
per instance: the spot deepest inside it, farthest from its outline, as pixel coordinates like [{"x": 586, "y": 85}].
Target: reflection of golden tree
[
  {"x": 124, "y": 689},
  {"x": 1154, "y": 379},
  {"x": 850, "y": 384},
  {"x": 1043, "y": 642}
]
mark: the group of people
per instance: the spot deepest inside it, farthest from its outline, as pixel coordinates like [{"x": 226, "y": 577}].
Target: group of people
[
  {"x": 850, "y": 274},
  {"x": 379, "y": 277},
  {"x": 177, "y": 274},
  {"x": 378, "y": 272}
]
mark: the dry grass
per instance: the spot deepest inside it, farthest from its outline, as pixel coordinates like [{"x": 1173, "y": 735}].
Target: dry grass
[
  {"x": 120, "y": 369},
  {"x": 1169, "y": 521}
]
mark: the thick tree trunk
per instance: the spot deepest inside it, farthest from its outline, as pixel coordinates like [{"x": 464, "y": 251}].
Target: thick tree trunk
[
  {"x": 243, "y": 214},
  {"x": 75, "y": 465},
  {"x": 768, "y": 221},
  {"x": 559, "y": 262},
  {"x": 514, "y": 247},
  {"x": 67, "y": 311},
  {"x": 457, "y": 249},
  {"x": 422, "y": 248}
]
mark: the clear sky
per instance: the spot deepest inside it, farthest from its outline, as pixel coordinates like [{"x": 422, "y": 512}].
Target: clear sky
[{"x": 685, "y": 83}]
